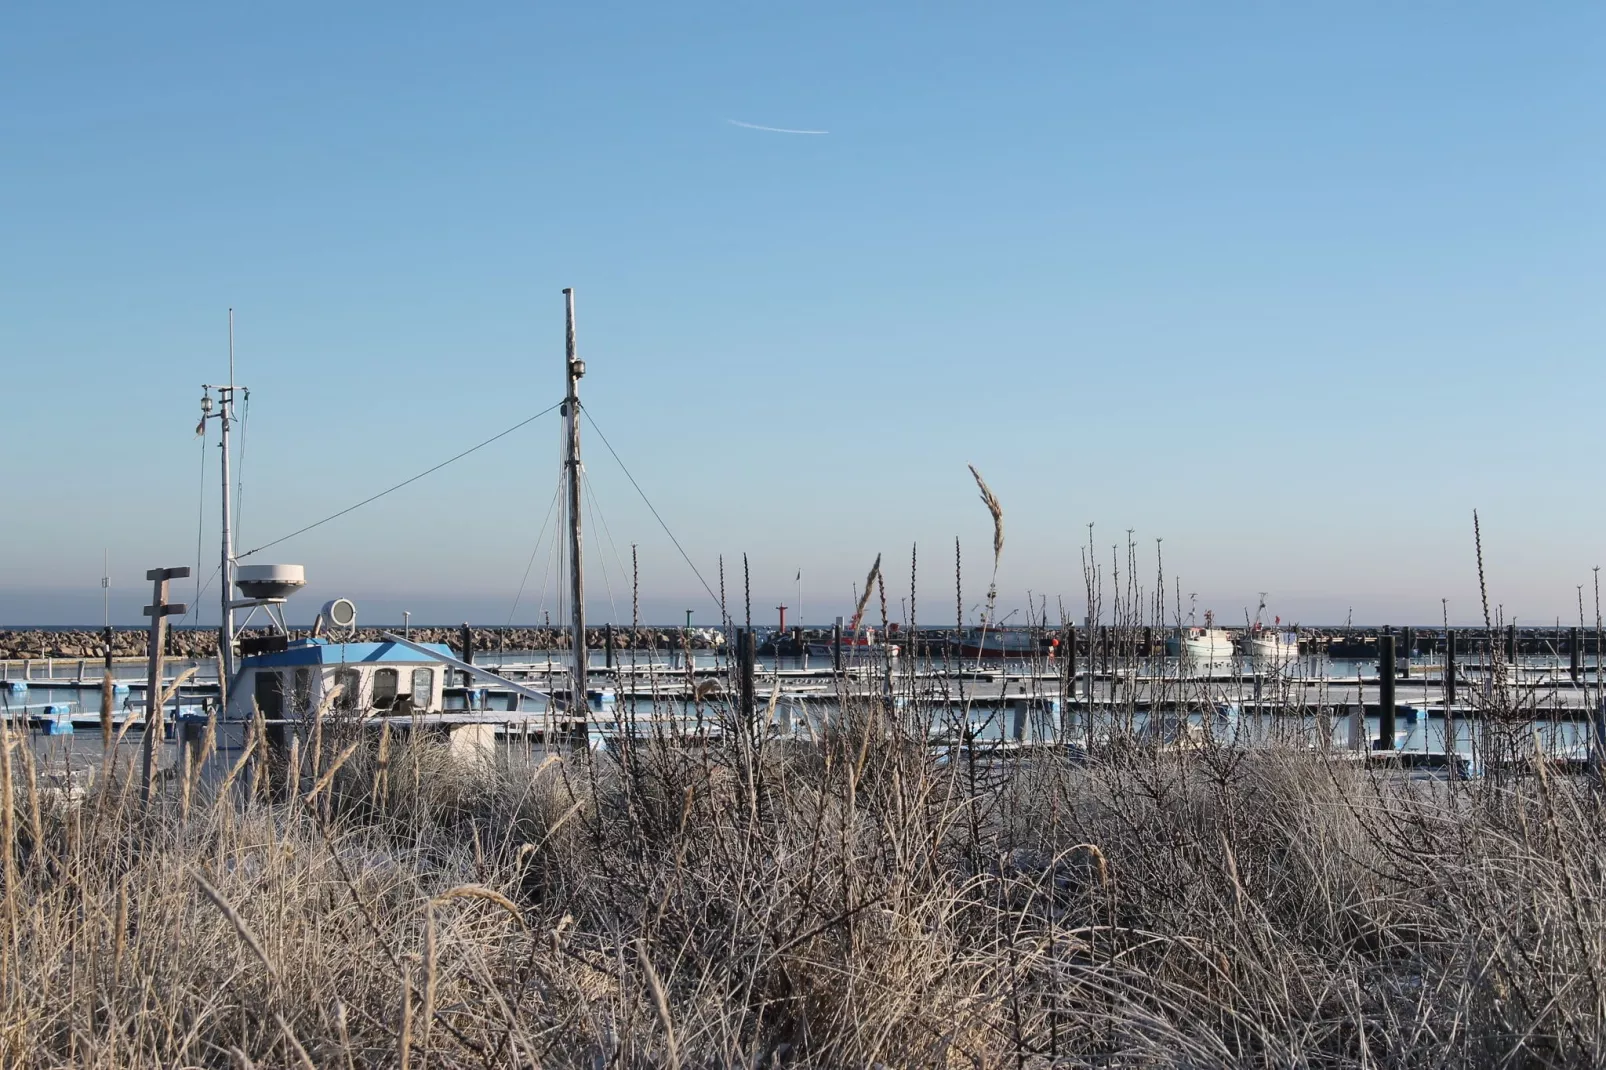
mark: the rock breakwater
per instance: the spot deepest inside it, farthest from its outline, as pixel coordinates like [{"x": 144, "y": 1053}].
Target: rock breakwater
[{"x": 26, "y": 643}]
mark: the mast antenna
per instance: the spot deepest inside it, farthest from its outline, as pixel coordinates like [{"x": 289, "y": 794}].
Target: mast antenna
[
  {"x": 225, "y": 416},
  {"x": 575, "y": 368}
]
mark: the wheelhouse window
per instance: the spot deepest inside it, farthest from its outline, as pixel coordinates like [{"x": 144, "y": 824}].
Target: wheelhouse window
[
  {"x": 423, "y": 688},
  {"x": 386, "y": 682},
  {"x": 301, "y": 693},
  {"x": 269, "y": 693},
  {"x": 350, "y": 683}
]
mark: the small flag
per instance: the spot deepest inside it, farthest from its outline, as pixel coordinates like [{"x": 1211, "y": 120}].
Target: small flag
[
  {"x": 799, "y": 576},
  {"x": 200, "y": 428}
]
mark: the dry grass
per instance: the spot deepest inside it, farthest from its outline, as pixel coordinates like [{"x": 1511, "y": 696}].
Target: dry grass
[{"x": 849, "y": 902}]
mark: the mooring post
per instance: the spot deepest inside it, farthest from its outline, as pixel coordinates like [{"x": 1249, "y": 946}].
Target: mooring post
[
  {"x": 1449, "y": 669},
  {"x": 1408, "y": 637},
  {"x": 607, "y": 646},
  {"x": 1104, "y": 648},
  {"x": 1575, "y": 655},
  {"x": 1069, "y": 690},
  {"x": 836, "y": 645},
  {"x": 1385, "y": 690},
  {"x": 465, "y": 643},
  {"x": 1597, "y": 752},
  {"x": 1511, "y": 643},
  {"x": 747, "y": 648},
  {"x": 1451, "y": 753},
  {"x": 158, "y": 611},
  {"x": 107, "y": 695},
  {"x": 1092, "y": 661}
]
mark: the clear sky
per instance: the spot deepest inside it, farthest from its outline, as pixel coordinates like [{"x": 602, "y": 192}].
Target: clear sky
[{"x": 1293, "y": 287}]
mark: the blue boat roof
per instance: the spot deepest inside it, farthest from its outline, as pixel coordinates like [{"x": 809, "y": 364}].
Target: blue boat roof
[{"x": 323, "y": 652}]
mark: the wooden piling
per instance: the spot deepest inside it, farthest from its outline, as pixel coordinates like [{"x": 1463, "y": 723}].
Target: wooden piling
[
  {"x": 747, "y": 646},
  {"x": 1575, "y": 654},
  {"x": 1070, "y": 661},
  {"x": 158, "y": 611},
  {"x": 607, "y": 646},
  {"x": 1597, "y": 751},
  {"x": 107, "y": 694},
  {"x": 836, "y": 645},
  {"x": 1449, "y": 669},
  {"x": 1385, "y": 690},
  {"x": 1408, "y": 641},
  {"x": 1453, "y": 763}
]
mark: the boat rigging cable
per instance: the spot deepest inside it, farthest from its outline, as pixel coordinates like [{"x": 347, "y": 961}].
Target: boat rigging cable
[
  {"x": 200, "y": 525},
  {"x": 530, "y": 564},
  {"x": 239, "y": 466},
  {"x": 405, "y": 482},
  {"x": 587, "y": 414},
  {"x": 594, "y": 511}
]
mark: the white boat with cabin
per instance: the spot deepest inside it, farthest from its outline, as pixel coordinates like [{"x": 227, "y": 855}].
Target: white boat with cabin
[
  {"x": 287, "y": 680},
  {"x": 1201, "y": 646},
  {"x": 1270, "y": 647}
]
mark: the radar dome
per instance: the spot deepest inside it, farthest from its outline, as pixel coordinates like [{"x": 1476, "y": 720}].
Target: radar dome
[{"x": 270, "y": 581}]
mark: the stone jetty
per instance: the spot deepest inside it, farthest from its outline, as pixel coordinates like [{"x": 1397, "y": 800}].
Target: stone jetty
[{"x": 202, "y": 643}]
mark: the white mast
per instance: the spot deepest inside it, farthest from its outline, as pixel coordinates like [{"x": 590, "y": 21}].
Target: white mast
[
  {"x": 225, "y": 632},
  {"x": 575, "y": 368}
]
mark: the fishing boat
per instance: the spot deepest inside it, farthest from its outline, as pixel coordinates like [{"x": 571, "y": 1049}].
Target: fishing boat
[
  {"x": 857, "y": 644},
  {"x": 1270, "y": 646},
  {"x": 1202, "y": 646},
  {"x": 1003, "y": 643},
  {"x": 286, "y": 679}
]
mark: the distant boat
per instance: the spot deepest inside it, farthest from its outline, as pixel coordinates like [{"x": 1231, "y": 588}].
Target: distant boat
[
  {"x": 855, "y": 644},
  {"x": 1270, "y": 646},
  {"x": 1002, "y": 643},
  {"x": 1201, "y": 646}
]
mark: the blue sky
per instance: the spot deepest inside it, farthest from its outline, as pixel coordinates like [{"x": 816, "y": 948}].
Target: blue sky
[{"x": 1293, "y": 287}]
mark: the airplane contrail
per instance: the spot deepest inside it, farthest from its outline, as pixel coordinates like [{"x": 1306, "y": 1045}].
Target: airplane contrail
[{"x": 773, "y": 129}]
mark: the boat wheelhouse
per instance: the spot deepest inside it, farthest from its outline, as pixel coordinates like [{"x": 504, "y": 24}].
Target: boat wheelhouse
[{"x": 288, "y": 683}]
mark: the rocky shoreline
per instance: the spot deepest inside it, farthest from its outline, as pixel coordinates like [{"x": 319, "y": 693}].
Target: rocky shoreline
[{"x": 29, "y": 643}]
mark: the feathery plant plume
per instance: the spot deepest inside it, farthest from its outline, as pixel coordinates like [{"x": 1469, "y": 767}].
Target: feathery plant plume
[
  {"x": 990, "y": 500},
  {"x": 869, "y": 585},
  {"x": 1483, "y": 586}
]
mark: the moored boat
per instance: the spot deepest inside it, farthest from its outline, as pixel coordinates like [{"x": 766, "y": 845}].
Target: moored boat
[
  {"x": 862, "y": 644},
  {"x": 1208, "y": 645},
  {"x": 1270, "y": 646},
  {"x": 1003, "y": 643}
]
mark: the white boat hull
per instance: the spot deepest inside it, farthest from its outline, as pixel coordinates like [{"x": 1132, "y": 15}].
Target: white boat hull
[
  {"x": 1205, "y": 648},
  {"x": 1272, "y": 649}
]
